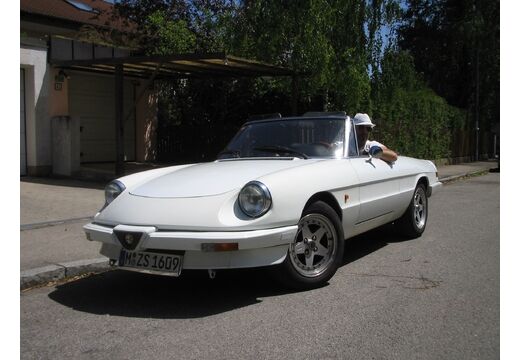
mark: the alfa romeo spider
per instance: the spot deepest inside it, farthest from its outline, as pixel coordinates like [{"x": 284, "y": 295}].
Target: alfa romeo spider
[{"x": 285, "y": 193}]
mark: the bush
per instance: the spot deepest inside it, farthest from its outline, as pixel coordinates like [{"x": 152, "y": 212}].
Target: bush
[{"x": 411, "y": 118}]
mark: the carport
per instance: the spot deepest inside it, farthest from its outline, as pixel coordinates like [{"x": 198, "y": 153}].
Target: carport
[{"x": 150, "y": 68}]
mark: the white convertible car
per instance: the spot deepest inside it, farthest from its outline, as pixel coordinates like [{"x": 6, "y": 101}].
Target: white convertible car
[{"x": 285, "y": 193}]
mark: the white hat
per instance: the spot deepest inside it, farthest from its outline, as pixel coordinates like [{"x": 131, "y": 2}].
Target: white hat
[{"x": 363, "y": 120}]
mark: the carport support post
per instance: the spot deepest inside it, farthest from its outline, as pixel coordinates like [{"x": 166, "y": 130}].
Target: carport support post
[
  {"x": 294, "y": 95},
  {"x": 120, "y": 165}
]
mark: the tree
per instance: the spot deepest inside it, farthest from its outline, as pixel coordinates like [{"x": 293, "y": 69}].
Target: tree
[
  {"x": 347, "y": 56},
  {"x": 411, "y": 118},
  {"x": 455, "y": 45}
]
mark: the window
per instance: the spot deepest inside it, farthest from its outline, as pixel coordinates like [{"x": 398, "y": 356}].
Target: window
[
  {"x": 81, "y": 6},
  {"x": 352, "y": 142},
  {"x": 303, "y": 137}
]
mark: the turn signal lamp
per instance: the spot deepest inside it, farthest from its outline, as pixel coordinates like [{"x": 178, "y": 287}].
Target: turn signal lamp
[{"x": 219, "y": 247}]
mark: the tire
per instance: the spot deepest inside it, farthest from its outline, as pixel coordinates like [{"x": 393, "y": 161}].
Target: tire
[
  {"x": 317, "y": 251},
  {"x": 413, "y": 222}
]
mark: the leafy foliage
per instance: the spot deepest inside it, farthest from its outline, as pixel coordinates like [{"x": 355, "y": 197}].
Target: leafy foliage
[
  {"x": 455, "y": 44},
  {"x": 167, "y": 37},
  {"x": 411, "y": 118},
  {"x": 410, "y": 67}
]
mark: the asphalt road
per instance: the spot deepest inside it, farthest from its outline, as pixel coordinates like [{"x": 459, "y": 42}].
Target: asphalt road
[{"x": 436, "y": 297}]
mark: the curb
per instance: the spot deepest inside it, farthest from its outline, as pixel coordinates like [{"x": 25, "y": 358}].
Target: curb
[
  {"x": 59, "y": 271},
  {"x": 451, "y": 178}
]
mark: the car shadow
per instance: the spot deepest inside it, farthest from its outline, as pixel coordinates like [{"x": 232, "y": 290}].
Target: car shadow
[
  {"x": 361, "y": 245},
  {"x": 192, "y": 295}
]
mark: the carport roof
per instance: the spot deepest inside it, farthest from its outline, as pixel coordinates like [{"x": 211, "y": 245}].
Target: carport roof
[{"x": 203, "y": 65}]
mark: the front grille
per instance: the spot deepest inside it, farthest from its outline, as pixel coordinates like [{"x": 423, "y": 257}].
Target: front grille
[{"x": 128, "y": 239}]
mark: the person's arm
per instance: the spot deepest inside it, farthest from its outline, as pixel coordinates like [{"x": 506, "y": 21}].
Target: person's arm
[
  {"x": 380, "y": 151},
  {"x": 388, "y": 155}
]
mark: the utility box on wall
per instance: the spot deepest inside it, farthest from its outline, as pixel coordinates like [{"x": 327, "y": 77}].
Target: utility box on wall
[{"x": 65, "y": 145}]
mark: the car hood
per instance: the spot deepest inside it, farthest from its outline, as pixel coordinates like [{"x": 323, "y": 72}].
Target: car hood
[{"x": 214, "y": 178}]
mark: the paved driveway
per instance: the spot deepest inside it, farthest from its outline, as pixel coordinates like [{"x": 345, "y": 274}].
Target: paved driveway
[{"x": 52, "y": 213}]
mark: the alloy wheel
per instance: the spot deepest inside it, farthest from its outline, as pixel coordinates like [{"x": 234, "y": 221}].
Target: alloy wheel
[
  {"x": 419, "y": 203},
  {"x": 315, "y": 245}
]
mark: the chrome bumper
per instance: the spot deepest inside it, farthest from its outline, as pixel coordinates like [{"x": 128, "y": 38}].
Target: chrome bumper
[
  {"x": 255, "y": 247},
  {"x": 434, "y": 188}
]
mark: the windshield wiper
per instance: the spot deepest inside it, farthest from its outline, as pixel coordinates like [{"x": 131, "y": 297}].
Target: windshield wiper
[
  {"x": 281, "y": 149},
  {"x": 235, "y": 153}
]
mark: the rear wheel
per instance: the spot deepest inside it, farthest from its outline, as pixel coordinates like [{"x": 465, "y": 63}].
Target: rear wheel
[
  {"x": 413, "y": 222},
  {"x": 317, "y": 250}
]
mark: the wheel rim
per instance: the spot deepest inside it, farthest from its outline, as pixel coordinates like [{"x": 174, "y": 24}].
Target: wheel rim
[
  {"x": 314, "y": 247},
  {"x": 419, "y": 213}
]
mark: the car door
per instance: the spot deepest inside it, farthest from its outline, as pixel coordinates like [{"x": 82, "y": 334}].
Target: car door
[{"x": 379, "y": 186}]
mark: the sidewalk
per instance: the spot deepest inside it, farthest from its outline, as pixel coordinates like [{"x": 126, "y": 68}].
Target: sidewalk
[{"x": 53, "y": 211}]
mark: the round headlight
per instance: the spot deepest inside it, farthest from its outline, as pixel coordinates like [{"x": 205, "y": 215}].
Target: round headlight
[
  {"x": 254, "y": 199},
  {"x": 113, "y": 190}
]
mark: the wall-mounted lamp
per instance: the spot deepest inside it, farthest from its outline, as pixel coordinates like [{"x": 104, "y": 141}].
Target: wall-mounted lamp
[
  {"x": 60, "y": 79},
  {"x": 62, "y": 75}
]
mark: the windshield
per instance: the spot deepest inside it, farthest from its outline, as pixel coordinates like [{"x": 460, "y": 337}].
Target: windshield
[{"x": 302, "y": 138}]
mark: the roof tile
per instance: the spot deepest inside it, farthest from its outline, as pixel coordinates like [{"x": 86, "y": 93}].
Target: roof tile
[{"x": 61, "y": 9}]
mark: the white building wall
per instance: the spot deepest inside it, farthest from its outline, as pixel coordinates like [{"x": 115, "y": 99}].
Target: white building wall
[
  {"x": 23, "y": 152},
  {"x": 38, "y": 126}
]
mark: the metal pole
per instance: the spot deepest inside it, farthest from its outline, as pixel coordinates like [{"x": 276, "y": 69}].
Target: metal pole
[
  {"x": 294, "y": 102},
  {"x": 477, "y": 107},
  {"x": 120, "y": 153},
  {"x": 494, "y": 146},
  {"x": 477, "y": 87}
]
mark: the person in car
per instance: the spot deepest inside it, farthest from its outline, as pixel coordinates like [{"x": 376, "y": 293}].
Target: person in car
[{"x": 364, "y": 127}]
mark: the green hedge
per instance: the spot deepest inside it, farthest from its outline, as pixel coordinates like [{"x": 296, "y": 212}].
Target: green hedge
[
  {"x": 417, "y": 123},
  {"x": 412, "y": 119}
]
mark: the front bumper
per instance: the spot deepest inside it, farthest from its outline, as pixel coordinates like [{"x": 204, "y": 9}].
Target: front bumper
[
  {"x": 434, "y": 188},
  {"x": 255, "y": 248}
]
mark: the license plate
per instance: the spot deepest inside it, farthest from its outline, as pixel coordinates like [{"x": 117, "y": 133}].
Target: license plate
[{"x": 153, "y": 262}]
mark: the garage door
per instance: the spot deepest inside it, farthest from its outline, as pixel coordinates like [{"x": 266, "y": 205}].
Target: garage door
[
  {"x": 23, "y": 149},
  {"x": 91, "y": 98}
]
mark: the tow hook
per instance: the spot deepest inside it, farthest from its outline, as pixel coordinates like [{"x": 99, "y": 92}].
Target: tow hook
[{"x": 212, "y": 273}]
